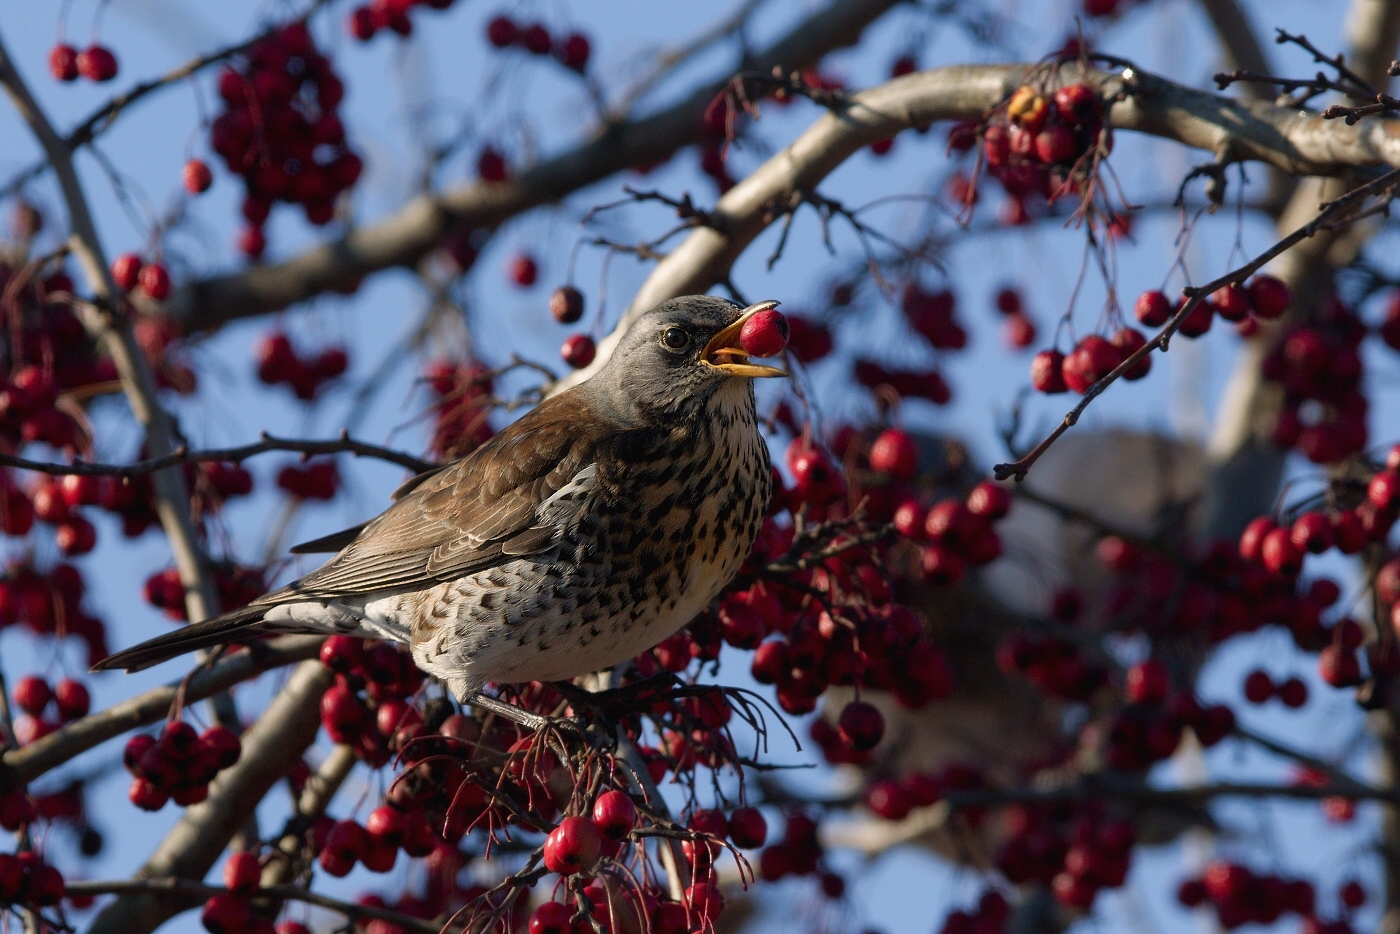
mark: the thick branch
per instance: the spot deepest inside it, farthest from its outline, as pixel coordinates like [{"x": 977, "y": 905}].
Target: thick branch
[
  {"x": 1290, "y": 139},
  {"x": 24, "y": 765},
  {"x": 270, "y": 748},
  {"x": 404, "y": 238}
]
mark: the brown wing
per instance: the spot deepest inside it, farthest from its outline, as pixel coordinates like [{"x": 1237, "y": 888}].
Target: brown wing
[{"x": 471, "y": 514}]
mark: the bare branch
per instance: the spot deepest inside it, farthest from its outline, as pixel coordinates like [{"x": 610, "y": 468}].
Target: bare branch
[
  {"x": 21, "y": 766},
  {"x": 1237, "y": 37},
  {"x": 182, "y": 455}
]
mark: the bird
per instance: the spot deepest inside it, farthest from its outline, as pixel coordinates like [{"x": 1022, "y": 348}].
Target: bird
[{"x": 589, "y": 530}]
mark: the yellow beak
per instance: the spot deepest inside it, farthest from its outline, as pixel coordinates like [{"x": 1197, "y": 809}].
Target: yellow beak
[{"x": 724, "y": 352}]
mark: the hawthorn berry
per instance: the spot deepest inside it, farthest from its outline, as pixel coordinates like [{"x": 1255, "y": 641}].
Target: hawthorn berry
[
  {"x": 566, "y": 304},
  {"x": 861, "y": 726},
  {"x": 491, "y": 165},
  {"x": 75, "y": 536},
  {"x": 551, "y": 918},
  {"x": 578, "y": 350},
  {"x": 896, "y": 453},
  {"x": 1147, "y": 682},
  {"x": 573, "y": 846},
  {"x": 536, "y": 39},
  {"x": 614, "y": 814},
  {"x": 97, "y": 63},
  {"x": 523, "y": 270},
  {"x": 1129, "y": 341},
  {"x": 32, "y": 695},
  {"x": 1055, "y": 144},
  {"x": 748, "y": 828},
  {"x": 1293, "y": 693},
  {"x": 573, "y": 52},
  {"x": 126, "y": 271},
  {"x": 1258, "y": 687},
  {"x": 1269, "y": 296},
  {"x": 1047, "y": 372},
  {"x": 72, "y": 699},
  {"x": 225, "y": 913},
  {"x": 63, "y": 62},
  {"x": 502, "y": 32},
  {"x": 196, "y": 177},
  {"x": 1231, "y": 301},
  {"x": 242, "y": 873},
  {"x": 1153, "y": 309},
  {"x": 765, "y": 334}
]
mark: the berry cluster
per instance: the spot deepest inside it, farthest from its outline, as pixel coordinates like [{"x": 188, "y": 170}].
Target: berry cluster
[
  {"x": 1240, "y": 897},
  {"x": 463, "y": 392},
  {"x": 797, "y": 853},
  {"x": 33, "y": 696},
  {"x": 231, "y": 912},
  {"x": 366, "y": 707},
  {"x": 368, "y": 20},
  {"x": 179, "y": 765},
  {"x": 237, "y": 586},
  {"x": 989, "y": 917},
  {"x": 130, "y": 273},
  {"x": 50, "y": 603},
  {"x": 279, "y": 362},
  {"x": 1319, "y": 366},
  {"x": 29, "y": 882},
  {"x": 318, "y": 479},
  {"x": 95, "y": 63},
  {"x": 1076, "y": 850},
  {"x": 1036, "y": 144},
  {"x": 893, "y": 799},
  {"x": 281, "y": 131},
  {"x": 1017, "y": 328},
  {"x": 571, "y": 51}
]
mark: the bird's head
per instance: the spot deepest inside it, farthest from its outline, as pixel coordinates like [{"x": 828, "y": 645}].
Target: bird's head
[{"x": 676, "y": 357}]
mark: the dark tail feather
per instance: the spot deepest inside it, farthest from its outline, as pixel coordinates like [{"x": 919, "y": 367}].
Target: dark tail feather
[{"x": 229, "y": 627}]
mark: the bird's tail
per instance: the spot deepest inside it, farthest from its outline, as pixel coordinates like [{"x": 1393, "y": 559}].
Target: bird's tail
[{"x": 232, "y": 626}]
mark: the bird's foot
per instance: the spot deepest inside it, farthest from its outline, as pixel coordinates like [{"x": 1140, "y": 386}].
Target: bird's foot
[
  {"x": 557, "y": 731},
  {"x": 614, "y": 703}
]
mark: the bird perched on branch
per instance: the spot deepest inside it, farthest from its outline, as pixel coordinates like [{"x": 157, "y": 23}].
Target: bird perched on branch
[{"x": 591, "y": 529}]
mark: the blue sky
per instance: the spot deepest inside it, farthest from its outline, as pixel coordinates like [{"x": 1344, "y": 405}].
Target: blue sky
[{"x": 447, "y": 74}]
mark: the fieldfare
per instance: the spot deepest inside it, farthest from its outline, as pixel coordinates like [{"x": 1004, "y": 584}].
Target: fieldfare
[{"x": 588, "y": 531}]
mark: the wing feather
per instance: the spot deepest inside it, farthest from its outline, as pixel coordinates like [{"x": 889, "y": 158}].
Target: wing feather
[{"x": 503, "y": 500}]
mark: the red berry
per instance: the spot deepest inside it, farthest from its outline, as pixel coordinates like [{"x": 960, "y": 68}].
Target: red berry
[
  {"x": 1129, "y": 341},
  {"x": 126, "y": 271},
  {"x": 242, "y": 873},
  {"x": 1252, "y": 539},
  {"x": 1198, "y": 321},
  {"x": 63, "y": 62},
  {"x": 989, "y": 500},
  {"x": 572, "y": 846},
  {"x": 1279, "y": 555},
  {"x": 386, "y": 825},
  {"x": 1047, "y": 372},
  {"x": 1293, "y": 693},
  {"x": 578, "y": 351},
  {"x": 147, "y": 796},
  {"x": 861, "y": 726},
  {"x": 903, "y": 65},
  {"x": 1269, "y": 296},
  {"x": 1352, "y": 895},
  {"x": 551, "y": 918},
  {"x": 79, "y": 490},
  {"x": 1153, "y": 309},
  {"x": 888, "y": 799},
  {"x": 566, "y": 304},
  {"x": 1055, "y": 144},
  {"x": 1147, "y": 682},
  {"x": 536, "y": 39},
  {"x": 765, "y": 334},
  {"x": 523, "y": 270},
  {"x": 748, "y": 828},
  {"x": 196, "y": 177},
  {"x": 75, "y": 536},
  {"x": 1077, "y": 104},
  {"x": 1231, "y": 301},
  {"x": 252, "y": 242},
  {"x": 154, "y": 281},
  {"x": 72, "y": 699},
  {"x": 573, "y": 52},
  {"x": 32, "y": 695},
  {"x": 1384, "y": 490},
  {"x": 491, "y": 165},
  {"x": 226, "y": 913},
  {"x": 502, "y": 32},
  {"x": 97, "y": 63},
  {"x": 1312, "y": 531},
  {"x": 1258, "y": 687},
  {"x": 1339, "y": 667},
  {"x": 221, "y": 743},
  {"x": 614, "y": 814},
  {"x": 45, "y": 886},
  {"x": 895, "y": 453}
]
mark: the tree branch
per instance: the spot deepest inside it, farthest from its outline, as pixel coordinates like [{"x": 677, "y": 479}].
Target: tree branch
[
  {"x": 21, "y": 766},
  {"x": 1291, "y": 140},
  {"x": 405, "y": 237},
  {"x": 270, "y": 748},
  {"x": 182, "y": 455},
  {"x": 1238, "y": 41}
]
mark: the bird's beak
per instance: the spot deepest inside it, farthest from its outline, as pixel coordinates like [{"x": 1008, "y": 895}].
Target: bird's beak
[{"x": 724, "y": 352}]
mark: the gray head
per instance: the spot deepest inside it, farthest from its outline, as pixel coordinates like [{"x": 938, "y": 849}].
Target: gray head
[{"x": 677, "y": 356}]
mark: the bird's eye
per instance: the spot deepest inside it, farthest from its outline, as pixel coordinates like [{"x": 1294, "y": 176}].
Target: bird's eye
[{"x": 675, "y": 338}]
